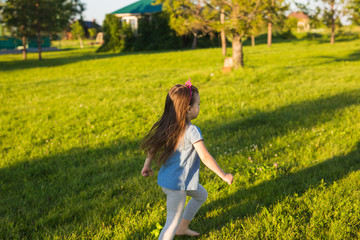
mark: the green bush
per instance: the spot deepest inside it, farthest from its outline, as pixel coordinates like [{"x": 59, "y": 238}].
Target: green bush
[
  {"x": 113, "y": 35},
  {"x": 154, "y": 34}
]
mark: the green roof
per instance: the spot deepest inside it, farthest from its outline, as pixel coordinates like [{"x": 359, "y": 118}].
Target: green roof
[{"x": 142, "y": 6}]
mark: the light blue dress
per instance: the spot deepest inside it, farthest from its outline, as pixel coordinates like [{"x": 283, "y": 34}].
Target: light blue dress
[{"x": 181, "y": 170}]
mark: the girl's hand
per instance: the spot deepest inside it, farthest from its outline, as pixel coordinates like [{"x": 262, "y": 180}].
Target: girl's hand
[
  {"x": 228, "y": 178},
  {"x": 146, "y": 171}
]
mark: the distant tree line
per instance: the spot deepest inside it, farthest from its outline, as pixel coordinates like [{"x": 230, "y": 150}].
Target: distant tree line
[
  {"x": 182, "y": 24},
  {"x": 185, "y": 23}
]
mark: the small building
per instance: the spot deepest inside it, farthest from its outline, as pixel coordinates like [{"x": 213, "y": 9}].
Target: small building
[
  {"x": 133, "y": 12},
  {"x": 91, "y": 24},
  {"x": 303, "y": 24},
  {"x": 86, "y": 25}
]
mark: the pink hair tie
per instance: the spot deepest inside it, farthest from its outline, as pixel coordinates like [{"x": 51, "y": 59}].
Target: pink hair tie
[{"x": 188, "y": 84}]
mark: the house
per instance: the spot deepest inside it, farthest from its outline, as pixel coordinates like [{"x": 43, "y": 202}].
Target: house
[
  {"x": 86, "y": 26},
  {"x": 303, "y": 24},
  {"x": 91, "y": 24},
  {"x": 133, "y": 12}
]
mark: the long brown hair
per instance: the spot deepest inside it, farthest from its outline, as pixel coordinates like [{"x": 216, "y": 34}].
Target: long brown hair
[{"x": 164, "y": 136}]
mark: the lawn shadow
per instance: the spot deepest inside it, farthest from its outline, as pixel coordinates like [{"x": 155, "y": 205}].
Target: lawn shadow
[
  {"x": 342, "y": 38},
  {"x": 281, "y": 121},
  {"x": 352, "y": 57},
  {"x": 34, "y": 189},
  {"x": 69, "y": 59},
  {"x": 52, "y": 62},
  {"x": 273, "y": 124}
]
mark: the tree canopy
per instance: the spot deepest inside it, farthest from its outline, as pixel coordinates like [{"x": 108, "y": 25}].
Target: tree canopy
[
  {"x": 354, "y": 11},
  {"x": 37, "y": 17}
]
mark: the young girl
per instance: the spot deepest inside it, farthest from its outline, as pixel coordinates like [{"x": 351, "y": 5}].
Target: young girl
[{"x": 178, "y": 146}]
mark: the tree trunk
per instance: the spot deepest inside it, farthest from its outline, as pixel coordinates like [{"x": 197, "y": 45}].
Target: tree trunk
[
  {"x": 270, "y": 25},
  {"x": 236, "y": 41},
  {"x": 24, "y": 47},
  {"x": 60, "y": 41},
  {"x": 238, "y": 55},
  {"x": 269, "y": 33},
  {"x": 223, "y": 36},
  {"x": 39, "y": 44},
  {"x": 194, "y": 41},
  {"x": 38, "y": 30},
  {"x": 332, "y": 40},
  {"x": 223, "y": 42},
  {"x": 253, "y": 40},
  {"x": 81, "y": 42}
]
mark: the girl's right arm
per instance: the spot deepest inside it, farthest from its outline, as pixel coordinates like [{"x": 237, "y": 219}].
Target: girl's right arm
[
  {"x": 147, "y": 167},
  {"x": 210, "y": 162}
]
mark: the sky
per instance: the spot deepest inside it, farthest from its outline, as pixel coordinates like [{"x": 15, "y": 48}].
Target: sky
[{"x": 97, "y": 9}]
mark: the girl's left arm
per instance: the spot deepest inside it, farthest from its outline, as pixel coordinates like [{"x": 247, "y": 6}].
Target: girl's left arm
[{"x": 210, "y": 162}]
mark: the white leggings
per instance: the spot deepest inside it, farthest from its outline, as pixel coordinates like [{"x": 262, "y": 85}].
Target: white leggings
[{"x": 175, "y": 203}]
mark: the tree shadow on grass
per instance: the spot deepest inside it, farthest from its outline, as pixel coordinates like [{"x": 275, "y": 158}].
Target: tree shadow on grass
[
  {"x": 51, "y": 192},
  {"x": 69, "y": 59},
  {"x": 262, "y": 128},
  {"x": 342, "y": 38},
  {"x": 352, "y": 57},
  {"x": 52, "y": 62}
]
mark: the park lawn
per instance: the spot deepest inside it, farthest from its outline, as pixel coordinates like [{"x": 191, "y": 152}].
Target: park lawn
[{"x": 287, "y": 127}]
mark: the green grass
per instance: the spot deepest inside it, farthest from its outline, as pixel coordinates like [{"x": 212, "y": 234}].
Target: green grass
[
  {"x": 71, "y": 126},
  {"x": 73, "y": 44}
]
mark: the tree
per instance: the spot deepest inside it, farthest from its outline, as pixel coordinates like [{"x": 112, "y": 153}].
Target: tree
[
  {"x": 78, "y": 32},
  {"x": 1, "y": 22},
  {"x": 188, "y": 17},
  {"x": 37, "y": 17},
  {"x": 92, "y": 32},
  {"x": 332, "y": 12},
  {"x": 290, "y": 24},
  {"x": 312, "y": 13},
  {"x": 274, "y": 11},
  {"x": 235, "y": 18},
  {"x": 222, "y": 32},
  {"x": 256, "y": 28},
  {"x": 113, "y": 35},
  {"x": 353, "y": 8},
  {"x": 153, "y": 34},
  {"x": 18, "y": 14},
  {"x": 240, "y": 18}
]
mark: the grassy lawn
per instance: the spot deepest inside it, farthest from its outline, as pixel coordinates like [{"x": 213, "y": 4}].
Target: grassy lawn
[{"x": 287, "y": 127}]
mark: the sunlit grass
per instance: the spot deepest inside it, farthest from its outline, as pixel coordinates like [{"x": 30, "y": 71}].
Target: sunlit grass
[{"x": 287, "y": 126}]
